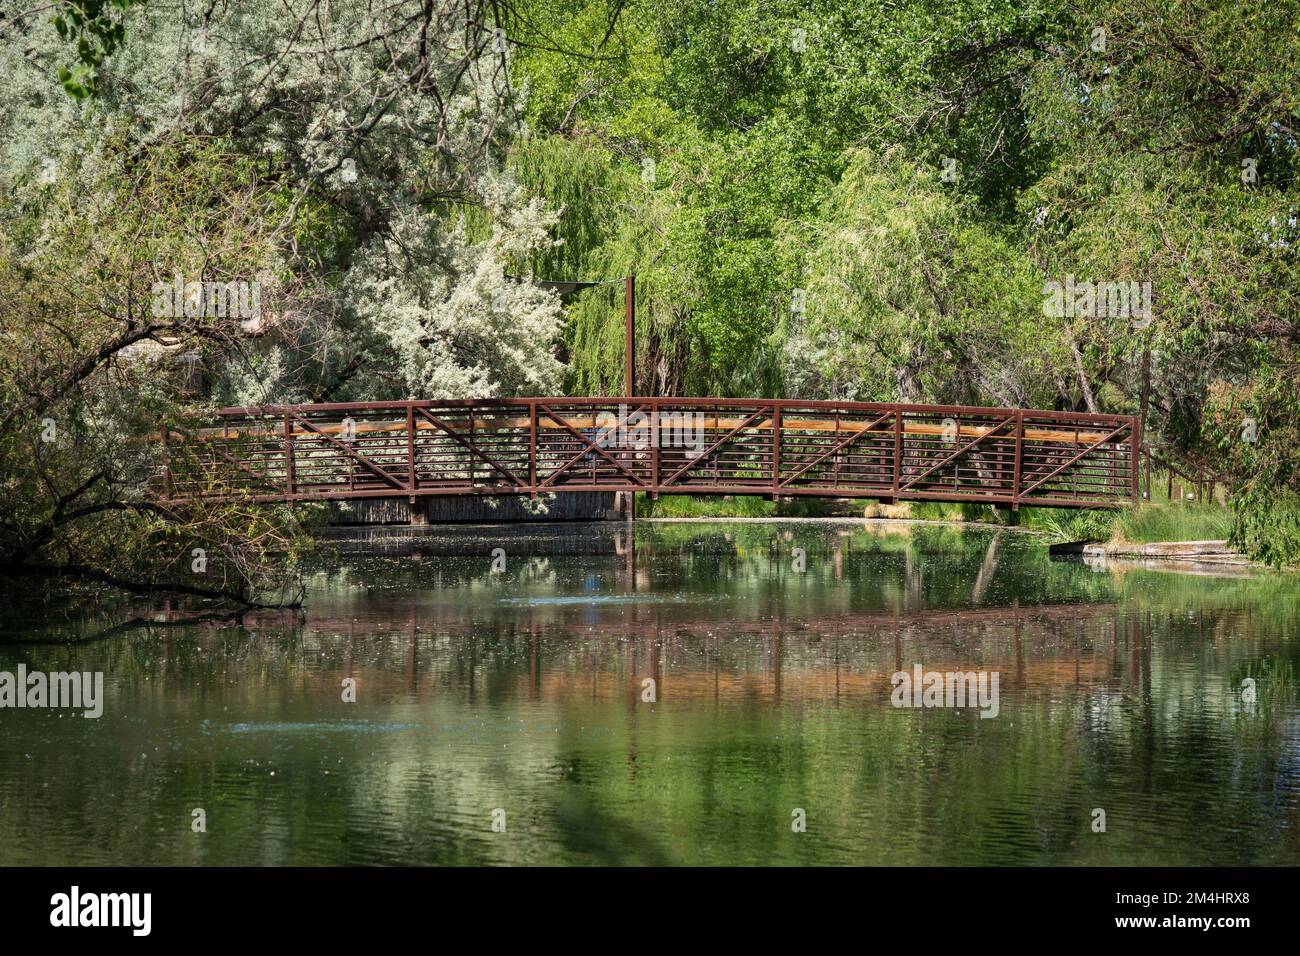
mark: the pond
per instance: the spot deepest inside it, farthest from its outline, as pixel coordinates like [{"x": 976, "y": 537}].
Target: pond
[{"x": 720, "y": 693}]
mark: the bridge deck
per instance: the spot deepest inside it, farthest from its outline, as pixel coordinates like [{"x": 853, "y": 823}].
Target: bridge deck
[{"x": 539, "y": 446}]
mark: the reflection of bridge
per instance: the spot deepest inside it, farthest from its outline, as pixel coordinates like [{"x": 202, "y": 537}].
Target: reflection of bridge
[
  {"x": 535, "y": 446},
  {"x": 764, "y": 656}
]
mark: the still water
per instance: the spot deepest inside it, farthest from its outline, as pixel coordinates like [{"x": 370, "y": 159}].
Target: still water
[{"x": 523, "y": 697}]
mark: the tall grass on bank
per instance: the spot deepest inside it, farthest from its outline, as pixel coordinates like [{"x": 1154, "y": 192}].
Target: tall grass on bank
[
  {"x": 728, "y": 506},
  {"x": 1060, "y": 524},
  {"x": 955, "y": 511},
  {"x": 1145, "y": 524},
  {"x": 1173, "y": 522}
]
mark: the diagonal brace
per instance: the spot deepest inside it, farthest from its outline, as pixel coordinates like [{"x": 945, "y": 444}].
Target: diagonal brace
[
  {"x": 959, "y": 452},
  {"x": 458, "y": 437},
  {"x": 590, "y": 445},
  {"x": 348, "y": 450},
  {"x": 699, "y": 459},
  {"x": 1060, "y": 468},
  {"x": 835, "y": 449}
]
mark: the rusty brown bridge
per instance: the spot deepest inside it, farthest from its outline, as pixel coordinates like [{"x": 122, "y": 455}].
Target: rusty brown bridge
[{"x": 699, "y": 446}]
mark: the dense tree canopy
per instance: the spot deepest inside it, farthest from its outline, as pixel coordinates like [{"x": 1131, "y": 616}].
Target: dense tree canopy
[{"x": 829, "y": 198}]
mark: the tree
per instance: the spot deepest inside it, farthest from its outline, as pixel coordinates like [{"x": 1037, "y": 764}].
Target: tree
[{"x": 92, "y": 372}]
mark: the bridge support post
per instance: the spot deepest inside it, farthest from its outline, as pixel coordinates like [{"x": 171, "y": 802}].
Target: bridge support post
[
  {"x": 532, "y": 450},
  {"x": 419, "y": 511},
  {"x": 1135, "y": 460},
  {"x": 410, "y": 455},
  {"x": 898, "y": 453}
]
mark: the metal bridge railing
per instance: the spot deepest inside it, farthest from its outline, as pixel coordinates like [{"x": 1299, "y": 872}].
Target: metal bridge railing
[{"x": 658, "y": 446}]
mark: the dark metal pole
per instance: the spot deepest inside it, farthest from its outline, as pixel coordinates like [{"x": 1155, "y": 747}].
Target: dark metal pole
[
  {"x": 1135, "y": 450},
  {"x": 532, "y": 448},
  {"x": 629, "y": 308},
  {"x": 629, "y": 388}
]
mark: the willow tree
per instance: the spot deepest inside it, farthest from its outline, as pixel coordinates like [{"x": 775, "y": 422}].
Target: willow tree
[
  {"x": 95, "y": 364},
  {"x": 909, "y": 298}
]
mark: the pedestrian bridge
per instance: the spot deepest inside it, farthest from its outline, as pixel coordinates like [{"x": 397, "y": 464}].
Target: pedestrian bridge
[{"x": 699, "y": 446}]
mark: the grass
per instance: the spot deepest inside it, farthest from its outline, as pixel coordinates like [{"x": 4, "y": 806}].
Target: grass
[
  {"x": 1147, "y": 523},
  {"x": 956, "y": 511},
  {"x": 728, "y": 506},
  {"x": 1158, "y": 520},
  {"x": 1173, "y": 522},
  {"x": 1060, "y": 524}
]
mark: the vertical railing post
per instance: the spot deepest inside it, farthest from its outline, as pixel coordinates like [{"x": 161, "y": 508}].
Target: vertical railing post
[
  {"x": 532, "y": 448},
  {"x": 1020, "y": 452},
  {"x": 835, "y": 443},
  {"x": 290, "y": 482},
  {"x": 776, "y": 450},
  {"x": 1135, "y": 446},
  {"x": 655, "y": 438},
  {"x": 410, "y": 451},
  {"x": 469, "y": 454},
  {"x": 898, "y": 450}
]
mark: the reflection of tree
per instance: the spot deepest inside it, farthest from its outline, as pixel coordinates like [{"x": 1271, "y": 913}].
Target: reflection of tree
[{"x": 478, "y": 693}]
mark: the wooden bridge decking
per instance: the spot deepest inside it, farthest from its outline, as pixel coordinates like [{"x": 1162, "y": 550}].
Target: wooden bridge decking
[{"x": 537, "y": 446}]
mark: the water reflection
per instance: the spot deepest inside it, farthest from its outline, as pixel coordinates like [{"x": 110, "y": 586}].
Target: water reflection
[{"x": 526, "y": 690}]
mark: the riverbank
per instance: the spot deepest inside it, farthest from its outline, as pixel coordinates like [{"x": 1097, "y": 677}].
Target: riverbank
[
  {"x": 1190, "y": 557},
  {"x": 1160, "y": 521},
  {"x": 1175, "y": 534}
]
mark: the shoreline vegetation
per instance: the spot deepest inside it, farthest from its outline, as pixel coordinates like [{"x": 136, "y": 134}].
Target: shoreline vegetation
[{"x": 1153, "y": 522}]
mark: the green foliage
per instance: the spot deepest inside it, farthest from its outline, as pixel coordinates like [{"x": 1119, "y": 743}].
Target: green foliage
[
  {"x": 798, "y": 146},
  {"x": 728, "y": 154},
  {"x": 900, "y": 285},
  {"x": 729, "y": 506},
  {"x": 89, "y": 377},
  {"x": 92, "y": 27},
  {"x": 1267, "y": 526}
]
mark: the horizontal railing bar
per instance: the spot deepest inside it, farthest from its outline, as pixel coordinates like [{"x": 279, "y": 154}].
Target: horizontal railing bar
[{"x": 786, "y": 405}]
